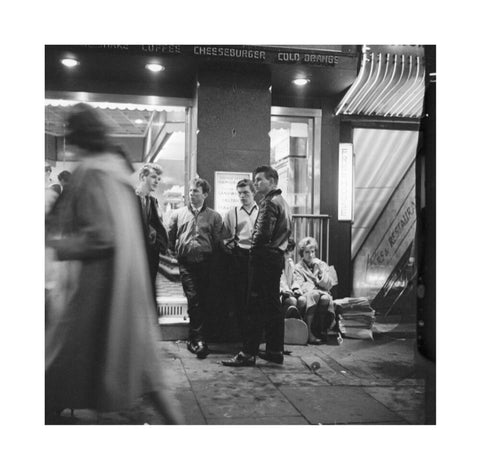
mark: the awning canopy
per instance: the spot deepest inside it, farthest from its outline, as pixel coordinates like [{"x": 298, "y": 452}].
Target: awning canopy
[{"x": 388, "y": 85}]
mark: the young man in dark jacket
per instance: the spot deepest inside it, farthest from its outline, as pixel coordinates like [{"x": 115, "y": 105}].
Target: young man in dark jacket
[
  {"x": 269, "y": 241},
  {"x": 194, "y": 234},
  {"x": 155, "y": 232}
]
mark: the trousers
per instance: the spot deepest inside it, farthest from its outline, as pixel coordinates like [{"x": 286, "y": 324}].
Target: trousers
[
  {"x": 264, "y": 309},
  {"x": 195, "y": 278},
  {"x": 239, "y": 262}
]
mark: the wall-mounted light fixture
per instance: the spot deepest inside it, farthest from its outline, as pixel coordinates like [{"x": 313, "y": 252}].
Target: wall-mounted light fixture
[{"x": 153, "y": 67}]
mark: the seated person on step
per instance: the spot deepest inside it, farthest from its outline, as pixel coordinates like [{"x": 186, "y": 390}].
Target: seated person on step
[
  {"x": 290, "y": 293},
  {"x": 315, "y": 278}
]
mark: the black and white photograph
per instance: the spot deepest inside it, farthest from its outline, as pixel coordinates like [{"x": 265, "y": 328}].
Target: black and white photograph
[
  {"x": 255, "y": 244},
  {"x": 246, "y": 235}
]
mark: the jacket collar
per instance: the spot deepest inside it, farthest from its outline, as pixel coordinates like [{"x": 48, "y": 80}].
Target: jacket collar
[
  {"x": 273, "y": 193},
  {"x": 202, "y": 209}
]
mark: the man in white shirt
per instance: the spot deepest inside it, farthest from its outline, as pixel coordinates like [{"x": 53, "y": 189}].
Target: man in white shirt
[{"x": 238, "y": 226}]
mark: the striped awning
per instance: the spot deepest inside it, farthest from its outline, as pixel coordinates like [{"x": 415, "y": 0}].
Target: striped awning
[{"x": 387, "y": 85}]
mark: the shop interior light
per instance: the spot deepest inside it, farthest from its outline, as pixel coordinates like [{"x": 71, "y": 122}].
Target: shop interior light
[
  {"x": 155, "y": 67},
  {"x": 301, "y": 81},
  {"x": 69, "y": 62},
  {"x": 138, "y": 121}
]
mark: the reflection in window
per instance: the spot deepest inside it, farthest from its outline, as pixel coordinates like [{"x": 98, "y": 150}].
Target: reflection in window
[
  {"x": 291, "y": 155},
  {"x": 148, "y": 133}
]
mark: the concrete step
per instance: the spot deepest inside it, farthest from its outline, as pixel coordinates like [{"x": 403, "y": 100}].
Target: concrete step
[
  {"x": 173, "y": 329},
  {"x": 173, "y": 317}
]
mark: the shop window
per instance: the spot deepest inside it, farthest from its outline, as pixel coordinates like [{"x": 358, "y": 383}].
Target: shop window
[
  {"x": 295, "y": 154},
  {"x": 148, "y": 133},
  {"x": 290, "y": 155}
]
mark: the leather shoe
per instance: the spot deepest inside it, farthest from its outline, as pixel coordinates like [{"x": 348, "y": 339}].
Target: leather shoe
[
  {"x": 241, "y": 359},
  {"x": 192, "y": 346},
  {"x": 202, "y": 349},
  {"x": 274, "y": 357}
]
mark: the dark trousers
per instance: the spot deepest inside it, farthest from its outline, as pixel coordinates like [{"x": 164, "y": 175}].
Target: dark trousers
[
  {"x": 264, "y": 310},
  {"x": 195, "y": 282},
  {"x": 239, "y": 261},
  {"x": 153, "y": 259}
]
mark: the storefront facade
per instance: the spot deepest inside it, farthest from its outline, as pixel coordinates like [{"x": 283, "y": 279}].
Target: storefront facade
[{"x": 223, "y": 110}]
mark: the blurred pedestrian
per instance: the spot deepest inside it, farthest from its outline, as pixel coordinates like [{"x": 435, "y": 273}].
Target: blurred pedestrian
[
  {"x": 102, "y": 340},
  {"x": 269, "y": 243},
  {"x": 48, "y": 175},
  {"x": 50, "y": 195},
  {"x": 194, "y": 233},
  {"x": 155, "y": 232}
]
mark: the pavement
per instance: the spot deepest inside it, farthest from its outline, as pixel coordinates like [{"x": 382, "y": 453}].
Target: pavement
[{"x": 360, "y": 382}]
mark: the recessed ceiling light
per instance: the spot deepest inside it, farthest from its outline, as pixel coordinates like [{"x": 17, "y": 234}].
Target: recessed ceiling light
[
  {"x": 155, "y": 67},
  {"x": 138, "y": 121},
  {"x": 70, "y": 62},
  {"x": 301, "y": 81}
]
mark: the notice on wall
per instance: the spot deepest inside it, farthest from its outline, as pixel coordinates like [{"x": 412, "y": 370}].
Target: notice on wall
[
  {"x": 345, "y": 182},
  {"x": 226, "y": 195}
]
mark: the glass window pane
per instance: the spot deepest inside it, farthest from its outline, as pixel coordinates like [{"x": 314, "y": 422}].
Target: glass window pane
[{"x": 291, "y": 152}]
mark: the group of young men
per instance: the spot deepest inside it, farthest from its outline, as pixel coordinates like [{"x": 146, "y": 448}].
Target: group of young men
[{"x": 254, "y": 236}]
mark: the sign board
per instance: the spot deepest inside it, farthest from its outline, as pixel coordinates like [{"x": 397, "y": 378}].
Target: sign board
[
  {"x": 332, "y": 57},
  {"x": 345, "y": 182},
  {"x": 226, "y": 195}
]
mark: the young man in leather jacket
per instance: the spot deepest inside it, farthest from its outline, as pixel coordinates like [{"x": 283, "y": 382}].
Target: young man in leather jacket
[{"x": 270, "y": 237}]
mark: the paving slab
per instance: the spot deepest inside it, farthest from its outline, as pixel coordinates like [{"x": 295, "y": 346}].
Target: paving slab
[
  {"x": 290, "y": 363},
  {"x": 315, "y": 362},
  {"x": 239, "y": 399},
  {"x": 140, "y": 414},
  {"x": 211, "y": 370},
  {"x": 338, "y": 405},
  {"x": 192, "y": 412},
  {"x": 259, "y": 421},
  {"x": 286, "y": 378},
  {"x": 407, "y": 401},
  {"x": 358, "y": 368},
  {"x": 174, "y": 374},
  {"x": 411, "y": 382}
]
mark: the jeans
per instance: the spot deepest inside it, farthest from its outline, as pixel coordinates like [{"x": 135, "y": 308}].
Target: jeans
[
  {"x": 195, "y": 282},
  {"x": 264, "y": 310}
]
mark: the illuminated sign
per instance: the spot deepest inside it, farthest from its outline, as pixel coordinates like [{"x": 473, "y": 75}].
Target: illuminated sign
[
  {"x": 345, "y": 182},
  {"x": 226, "y": 195}
]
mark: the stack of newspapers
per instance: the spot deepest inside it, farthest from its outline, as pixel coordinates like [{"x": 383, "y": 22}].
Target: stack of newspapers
[{"x": 355, "y": 317}]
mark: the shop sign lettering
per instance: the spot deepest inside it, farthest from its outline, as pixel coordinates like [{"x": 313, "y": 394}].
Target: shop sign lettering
[
  {"x": 230, "y": 52},
  {"x": 248, "y": 53},
  {"x": 306, "y": 58},
  {"x": 382, "y": 256},
  {"x": 404, "y": 221}
]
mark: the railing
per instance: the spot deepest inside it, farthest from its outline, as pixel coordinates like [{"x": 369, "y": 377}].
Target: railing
[{"x": 316, "y": 226}]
